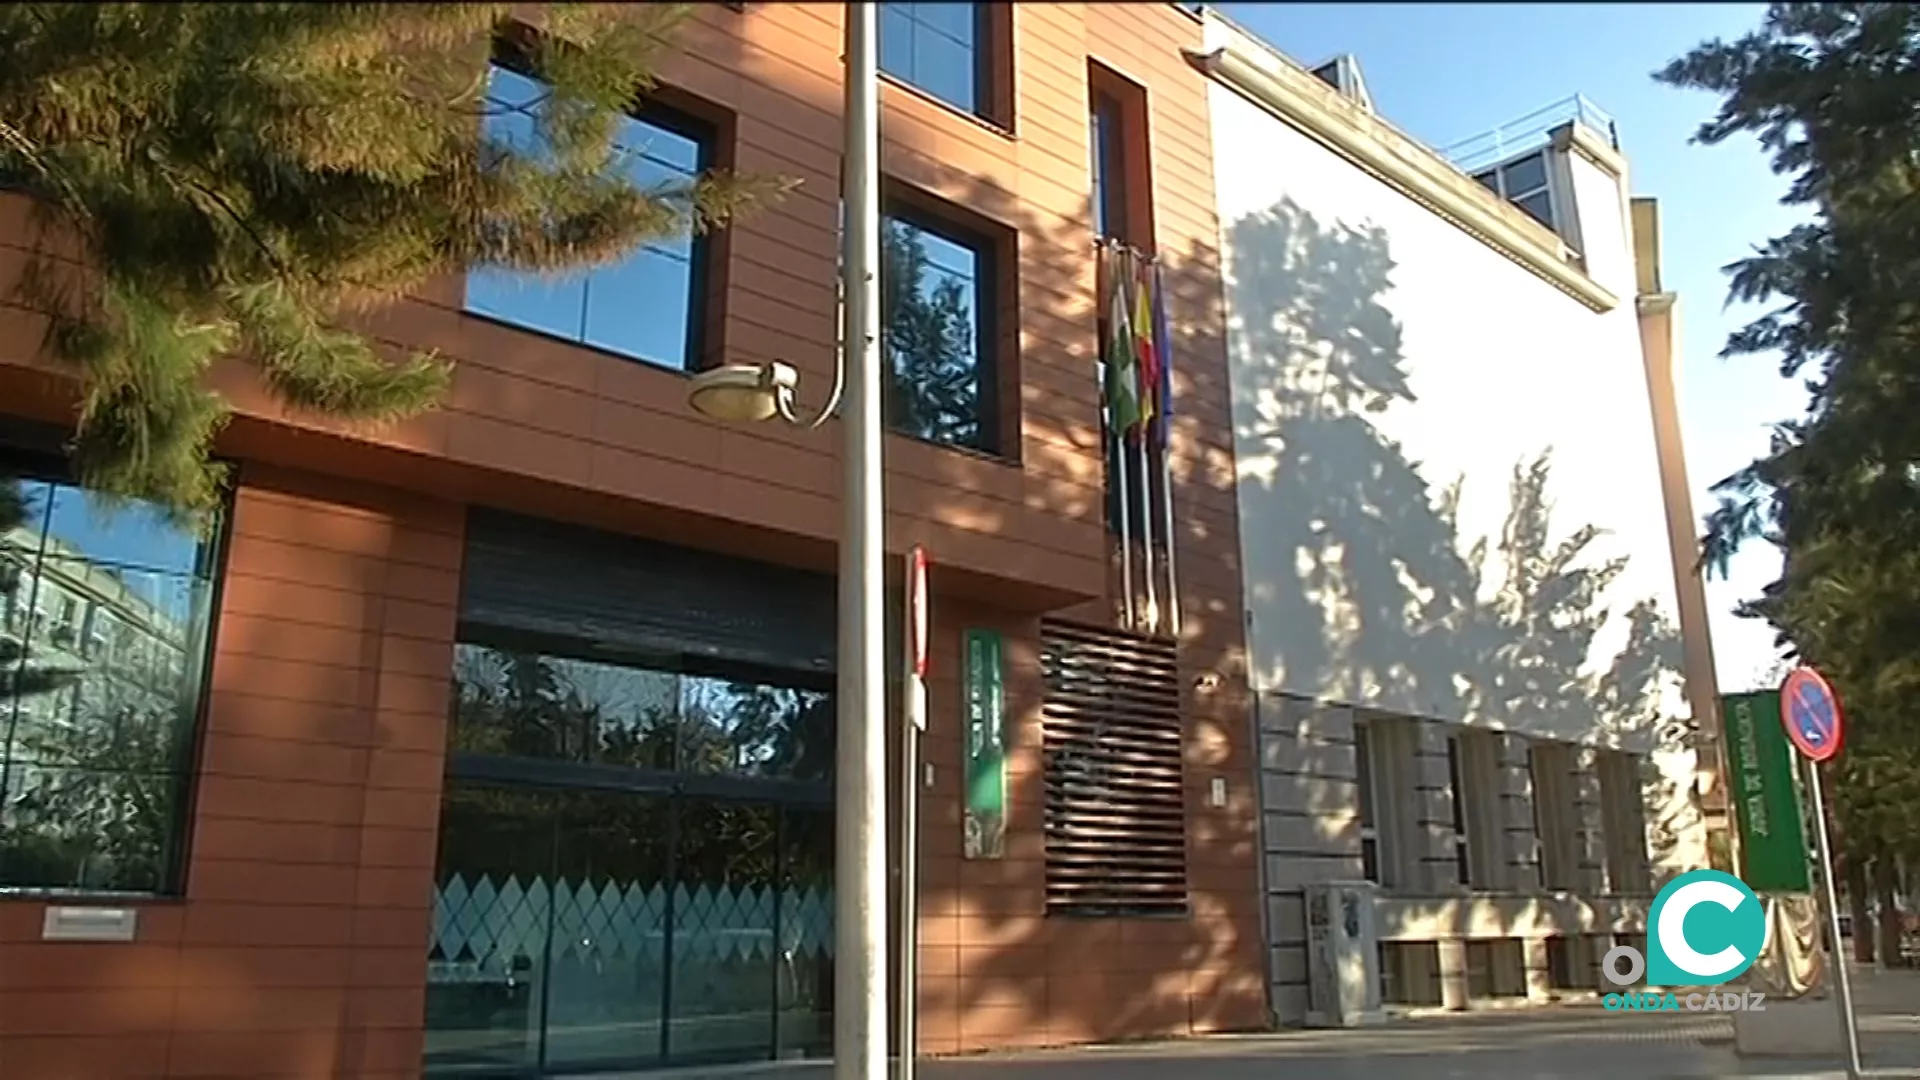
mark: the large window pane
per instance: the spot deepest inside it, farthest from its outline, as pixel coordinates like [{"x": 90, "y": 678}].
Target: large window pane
[
  {"x": 521, "y": 703},
  {"x": 609, "y": 946},
  {"x": 750, "y": 729},
  {"x": 104, "y": 612},
  {"x": 931, "y": 301},
  {"x": 725, "y": 903},
  {"x": 935, "y": 47},
  {"x": 643, "y": 306},
  {"x": 517, "y": 703},
  {"x": 492, "y": 923},
  {"x": 805, "y": 921}
]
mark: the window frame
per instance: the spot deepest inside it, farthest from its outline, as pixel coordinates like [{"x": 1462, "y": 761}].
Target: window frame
[
  {"x": 1109, "y": 160},
  {"x": 25, "y": 453},
  {"x": 1629, "y": 865},
  {"x": 990, "y": 293},
  {"x": 666, "y": 108},
  {"x": 992, "y": 104},
  {"x": 1556, "y": 813},
  {"x": 1373, "y": 866},
  {"x": 1547, "y": 186},
  {"x": 1461, "y": 824}
]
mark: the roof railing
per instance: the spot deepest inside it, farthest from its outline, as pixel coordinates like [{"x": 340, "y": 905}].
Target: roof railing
[{"x": 1529, "y": 132}]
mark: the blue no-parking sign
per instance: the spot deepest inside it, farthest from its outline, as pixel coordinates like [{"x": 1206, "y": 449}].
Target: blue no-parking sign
[{"x": 1810, "y": 710}]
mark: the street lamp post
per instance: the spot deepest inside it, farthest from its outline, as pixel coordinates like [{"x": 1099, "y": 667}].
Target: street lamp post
[
  {"x": 860, "y": 838},
  {"x": 760, "y": 392}
]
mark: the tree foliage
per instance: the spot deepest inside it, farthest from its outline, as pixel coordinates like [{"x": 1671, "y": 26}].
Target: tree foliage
[
  {"x": 241, "y": 179},
  {"x": 1832, "y": 93},
  {"x": 933, "y": 385}
]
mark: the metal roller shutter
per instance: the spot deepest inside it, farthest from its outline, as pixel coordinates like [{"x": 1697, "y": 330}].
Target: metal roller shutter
[{"x": 550, "y": 579}]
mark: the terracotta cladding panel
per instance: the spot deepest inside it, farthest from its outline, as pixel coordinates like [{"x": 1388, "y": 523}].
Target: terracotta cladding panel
[{"x": 319, "y": 798}]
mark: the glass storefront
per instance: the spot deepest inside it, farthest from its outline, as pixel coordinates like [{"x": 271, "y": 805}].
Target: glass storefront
[{"x": 636, "y": 863}]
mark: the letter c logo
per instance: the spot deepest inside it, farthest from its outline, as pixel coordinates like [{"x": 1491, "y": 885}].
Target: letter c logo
[
  {"x": 1673, "y": 927},
  {"x": 1733, "y": 920}
]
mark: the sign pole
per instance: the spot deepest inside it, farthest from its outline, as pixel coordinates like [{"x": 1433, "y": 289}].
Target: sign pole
[
  {"x": 1842, "y": 981},
  {"x": 1810, "y": 712},
  {"x": 914, "y": 711}
]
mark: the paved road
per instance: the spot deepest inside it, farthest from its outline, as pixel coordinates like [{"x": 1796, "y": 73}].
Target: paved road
[{"x": 1571, "y": 1043}]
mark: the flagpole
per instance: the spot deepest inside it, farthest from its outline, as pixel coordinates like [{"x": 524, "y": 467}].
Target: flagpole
[
  {"x": 1163, "y": 347},
  {"x": 1135, "y": 282},
  {"x": 1108, "y": 255}
]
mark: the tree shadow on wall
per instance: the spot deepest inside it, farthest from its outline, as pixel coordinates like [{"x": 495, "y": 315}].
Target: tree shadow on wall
[
  {"x": 1387, "y": 601},
  {"x": 1359, "y": 572}
]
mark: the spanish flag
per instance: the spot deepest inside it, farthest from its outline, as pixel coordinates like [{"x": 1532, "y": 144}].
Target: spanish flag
[{"x": 1147, "y": 366}]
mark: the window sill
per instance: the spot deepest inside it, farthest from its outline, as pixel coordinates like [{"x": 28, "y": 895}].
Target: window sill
[
  {"x": 597, "y": 350},
  {"x": 994, "y": 126},
  {"x": 21, "y": 894}
]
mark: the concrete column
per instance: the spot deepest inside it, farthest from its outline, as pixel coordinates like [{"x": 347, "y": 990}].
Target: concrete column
[
  {"x": 1539, "y": 970},
  {"x": 1453, "y": 973}
]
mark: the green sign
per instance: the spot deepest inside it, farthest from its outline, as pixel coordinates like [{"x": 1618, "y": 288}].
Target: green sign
[
  {"x": 1766, "y": 800},
  {"x": 986, "y": 813}
]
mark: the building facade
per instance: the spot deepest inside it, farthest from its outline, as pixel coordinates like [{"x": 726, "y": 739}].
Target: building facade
[
  {"x": 499, "y": 741},
  {"x": 1475, "y": 638},
  {"x": 1265, "y": 555}
]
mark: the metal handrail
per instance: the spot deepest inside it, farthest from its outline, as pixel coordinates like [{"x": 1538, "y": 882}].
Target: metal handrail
[{"x": 1529, "y": 132}]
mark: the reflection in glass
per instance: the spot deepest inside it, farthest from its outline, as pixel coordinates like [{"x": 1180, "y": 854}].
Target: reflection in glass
[
  {"x": 515, "y": 703},
  {"x": 639, "y": 307},
  {"x": 805, "y": 985},
  {"x": 930, "y": 301},
  {"x": 933, "y": 46},
  {"x": 608, "y": 948},
  {"x": 104, "y": 612},
  {"x": 724, "y": 932},
  {"x": 492, "y": 920},
  {"x": 613, "y": 918},
  {"x": 730, "y": 726}
]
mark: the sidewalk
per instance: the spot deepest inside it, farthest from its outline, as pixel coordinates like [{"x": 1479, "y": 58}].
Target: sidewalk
[{"x": 1566, "y": 1043}]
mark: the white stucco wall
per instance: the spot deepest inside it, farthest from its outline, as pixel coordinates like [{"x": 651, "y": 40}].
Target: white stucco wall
[{"x": 1380, "y": 354}]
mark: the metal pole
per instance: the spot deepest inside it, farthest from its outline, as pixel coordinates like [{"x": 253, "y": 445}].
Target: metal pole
[
  {"x": 860, "y": 804},
  {"x": 1837, "y": 953},
  {"x": 1146, "y": 528},
  {"x": 915, "y": 715},
  {"x": 1126, "y": 519}
]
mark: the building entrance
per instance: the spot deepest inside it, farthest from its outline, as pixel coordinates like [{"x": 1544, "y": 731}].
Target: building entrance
[
  {"x": 636, "y": 840},
  {"x": 578, "y": 931}
]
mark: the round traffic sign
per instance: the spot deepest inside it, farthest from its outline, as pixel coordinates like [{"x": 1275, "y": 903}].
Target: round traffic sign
[
  {"x": 917, "y": 607},
  {"x": 1810, "y": 710}
]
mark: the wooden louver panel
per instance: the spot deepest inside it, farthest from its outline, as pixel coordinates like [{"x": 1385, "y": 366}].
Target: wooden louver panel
[{"x": 1115, "y": 814}]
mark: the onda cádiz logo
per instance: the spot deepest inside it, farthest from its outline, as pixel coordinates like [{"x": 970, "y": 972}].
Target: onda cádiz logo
[{"x": 1704, "y": 929}]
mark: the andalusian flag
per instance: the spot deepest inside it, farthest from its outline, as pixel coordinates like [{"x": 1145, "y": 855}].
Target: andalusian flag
[{"x": 1123, "y": 378}]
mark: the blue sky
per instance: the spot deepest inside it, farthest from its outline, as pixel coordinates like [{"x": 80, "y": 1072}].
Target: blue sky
[{"x": 1447, "y": 72}]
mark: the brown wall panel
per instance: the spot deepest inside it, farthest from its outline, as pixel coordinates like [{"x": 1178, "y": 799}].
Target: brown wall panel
[{"x": 299, "y": 948}]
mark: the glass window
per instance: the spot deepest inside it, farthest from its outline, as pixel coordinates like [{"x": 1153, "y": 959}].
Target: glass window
[
  {"x": 935, "y": 289},
  {"x": 1462, "y": 863},
  {"x": 936, "y": 47},
  {"x": 1524, "y": 183},
  {"x": 1109, "y": 168},
  {"x": 94, "y": 741},
  {"x": 1369, "y": 819},
  {"x": 528, "y": 704},
  {"x": 646, "y": 305},
  {"x": 1526, "y": 175}
]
